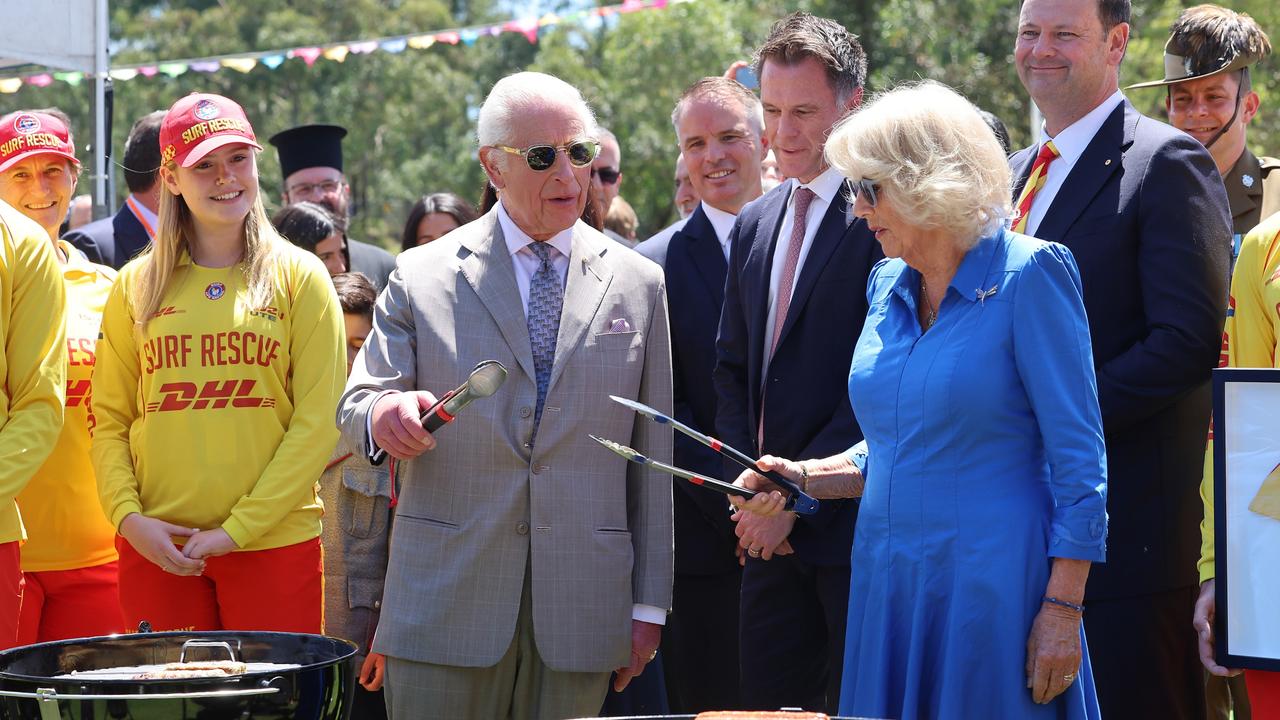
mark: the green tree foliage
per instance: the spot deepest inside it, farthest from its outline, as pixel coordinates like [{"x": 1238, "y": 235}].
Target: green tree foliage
[{"x": 411, "y": 114}]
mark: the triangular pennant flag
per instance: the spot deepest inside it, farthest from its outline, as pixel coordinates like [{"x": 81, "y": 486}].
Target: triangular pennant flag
[
  {"x": 243, "y": 64},
  {"x": 148, "y": 71},
  {"x": 308, "y": 54},
  {"x": 273, "y": 61},
  {"x": 124, "y": 74},
  {"x": 363, "y": 48},
  {"x": 71, "y": 78},
  {"x": 422, "y": 42},
  {"x": 173, "y": 69},
  {"x": 10, "y": 85},
  {"x": 393, "y": 46},
  {"x": 338, "y": 53},
  {"x": 42, "y": 80},
  {"x": 206, "y": 66}
]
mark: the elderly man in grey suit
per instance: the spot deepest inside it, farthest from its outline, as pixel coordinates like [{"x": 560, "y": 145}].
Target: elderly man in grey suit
[{"x": 526, "y": 561}]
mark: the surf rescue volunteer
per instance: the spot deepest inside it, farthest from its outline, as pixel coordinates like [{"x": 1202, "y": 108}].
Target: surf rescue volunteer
[
  {"x": 220, "y": 366},
  {"x": 69, "y": 560}
]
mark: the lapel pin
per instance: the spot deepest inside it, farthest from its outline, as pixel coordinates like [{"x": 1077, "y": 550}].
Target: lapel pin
[
  {"x": 984, "y": 294},
  {"x": 1108, "y": 162}
]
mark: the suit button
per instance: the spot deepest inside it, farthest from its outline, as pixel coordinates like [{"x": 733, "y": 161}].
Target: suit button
[
  {"x": 526, "y": 412},
  {"x": 528, "y": 446},
  {"x": 377, "y": 604},
  {"x": 522, "y": 528}
]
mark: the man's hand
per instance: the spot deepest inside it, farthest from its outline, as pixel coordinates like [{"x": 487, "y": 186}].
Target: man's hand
[
  {"x": 153, "y": 539},
  {"x": 209, "y": 543},
  {"x": 644, "y": 647},
  {"x": 763, "y": 537},
  {"x": 397, "y": 427},
  {"x": 371, "y": 672},
  {"x": 1206, "y": 608}
]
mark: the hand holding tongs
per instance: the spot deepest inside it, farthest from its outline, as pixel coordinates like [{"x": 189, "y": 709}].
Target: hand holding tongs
[{"x": 797, "y": 500}]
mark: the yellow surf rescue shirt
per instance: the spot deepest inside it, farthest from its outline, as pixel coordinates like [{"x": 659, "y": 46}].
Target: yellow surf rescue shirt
[
  {"x": 218, "y": 414},
  {"x": 1249, "y": 340},
  {"x": 65, "y": 525},
  {"x": 33, "y": 360}
]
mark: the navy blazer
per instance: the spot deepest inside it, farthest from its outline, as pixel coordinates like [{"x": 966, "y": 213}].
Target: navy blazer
[
  {"x": 111, "y": 241},
  {"x": 807, "y": 385},
  {"x": 1145, "y": 213},
  {"x": 695, "y": 270}
]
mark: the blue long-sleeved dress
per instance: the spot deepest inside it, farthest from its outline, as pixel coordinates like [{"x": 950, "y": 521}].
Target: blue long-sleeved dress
[{"x": 986, "y": 460}]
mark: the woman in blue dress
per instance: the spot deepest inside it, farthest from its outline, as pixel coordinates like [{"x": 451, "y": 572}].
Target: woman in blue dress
[{"x": 984, "y": 500}]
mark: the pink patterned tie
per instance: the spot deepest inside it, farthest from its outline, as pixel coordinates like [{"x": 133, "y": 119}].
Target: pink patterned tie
[{"x": 786, "y": 284}]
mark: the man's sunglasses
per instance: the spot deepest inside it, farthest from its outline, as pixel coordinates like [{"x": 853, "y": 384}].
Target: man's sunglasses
[
  {"x": 868, "y": 189},
  {"x": 607, "y": 175},
  {"x": 542, "y": 157}
]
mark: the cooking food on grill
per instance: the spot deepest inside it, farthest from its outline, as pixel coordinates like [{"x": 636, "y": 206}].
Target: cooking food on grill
[{"x": 221, "y": 668}]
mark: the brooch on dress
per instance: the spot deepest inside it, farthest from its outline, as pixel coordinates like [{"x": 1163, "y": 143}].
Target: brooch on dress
[{"x": 984, "y": 294}]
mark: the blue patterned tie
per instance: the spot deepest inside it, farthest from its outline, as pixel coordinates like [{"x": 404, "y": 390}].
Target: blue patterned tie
[{"x": 546, "y": 298}]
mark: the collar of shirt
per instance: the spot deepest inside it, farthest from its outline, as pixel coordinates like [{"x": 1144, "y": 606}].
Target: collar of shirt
[
  {"x": 722, "y": 223},
  {"x": 517, "y": 239},
  {"x": 1074, "y": 138},
  {"x": 145, "y": 213},
  {"x": 825, "y": 186},
  {"x": 524, "y": 263},
  {"x": 1071, "y": 144}
]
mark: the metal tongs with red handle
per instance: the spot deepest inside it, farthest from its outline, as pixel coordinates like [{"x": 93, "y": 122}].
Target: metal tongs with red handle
[{"x": 797, "y": 500}]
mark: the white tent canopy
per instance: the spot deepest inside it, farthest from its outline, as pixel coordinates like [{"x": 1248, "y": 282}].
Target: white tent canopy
[{"x": 63, "y": 35}]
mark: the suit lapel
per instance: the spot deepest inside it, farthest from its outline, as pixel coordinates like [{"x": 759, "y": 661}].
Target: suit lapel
[
  {"x": 489, "y": 272},
  {"x": 589, "y": 277},
  {"x": 1103, "y": 157},
  {"x": 1020, "y": 165},
  {"x": 835, "y": 223},
  {"x": 702, "y": 249}
]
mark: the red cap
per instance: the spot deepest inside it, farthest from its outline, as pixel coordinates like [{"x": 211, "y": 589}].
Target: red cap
[
  {"x": 23, "y": 134},
  {"x": 200, "y": 123}
]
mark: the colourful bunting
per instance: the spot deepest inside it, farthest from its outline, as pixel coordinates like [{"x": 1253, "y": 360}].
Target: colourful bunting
[{"x": 338, "y": 52}]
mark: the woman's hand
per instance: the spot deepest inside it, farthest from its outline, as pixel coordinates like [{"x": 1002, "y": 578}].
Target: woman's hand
[
  {"x": 209, "y": 543},
  {"x": 768, "y": 501},
  {"x": 375, "y": 664},
  {"x": 1053, "y": 652},
  {"x": 153, "y": 540},
  {"x": 1206, "y": 608}
]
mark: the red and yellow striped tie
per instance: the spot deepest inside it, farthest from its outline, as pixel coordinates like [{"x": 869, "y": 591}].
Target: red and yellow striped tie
[{"x": 1035, "y": 181}]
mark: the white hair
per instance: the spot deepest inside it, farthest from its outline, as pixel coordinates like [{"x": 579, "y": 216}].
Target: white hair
[
  {"x": 933, "y": 156},
  {"x": 522, "y": 91}
]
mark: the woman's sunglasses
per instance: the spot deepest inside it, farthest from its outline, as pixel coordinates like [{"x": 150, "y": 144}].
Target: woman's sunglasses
[
  {"x": 868, "y": 189},
  {"x": 542, "y": 157}
]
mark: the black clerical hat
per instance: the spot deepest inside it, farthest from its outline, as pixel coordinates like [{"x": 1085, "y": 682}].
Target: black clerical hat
[{"x": 308, "y": 146}]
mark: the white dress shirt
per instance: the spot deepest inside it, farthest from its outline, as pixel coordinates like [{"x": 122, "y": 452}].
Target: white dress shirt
[
  {"x": 525, "y": 262},
  {"x": 1071, "y": 144},
  {"x": 668, "y": 231},
  {"x": 825, "y": 187},
  {"x": 722, "y": 223}
]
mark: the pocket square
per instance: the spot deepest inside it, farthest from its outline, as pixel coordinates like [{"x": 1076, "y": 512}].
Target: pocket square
[{"x": 620, "y": 325}]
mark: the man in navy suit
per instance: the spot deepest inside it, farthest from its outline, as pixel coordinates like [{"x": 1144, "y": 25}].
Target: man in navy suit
[
  {"x": 719, "y": 126},
  {"x": 1144, "y": 211},
  {"x": 116, "y": 240},
  {"x": 794, "y": 306}
]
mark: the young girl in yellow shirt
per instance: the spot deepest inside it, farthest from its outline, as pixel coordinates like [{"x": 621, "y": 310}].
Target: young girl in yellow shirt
[{"x": 218, "y": 373}]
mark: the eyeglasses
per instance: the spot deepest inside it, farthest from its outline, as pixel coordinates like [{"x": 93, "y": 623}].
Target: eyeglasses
[
  {"x": 542, "y": 157},
  {"x": 869, "y": 189},
  {"x": 310, "y": 189},
  {"x": 607, "y": 175}
]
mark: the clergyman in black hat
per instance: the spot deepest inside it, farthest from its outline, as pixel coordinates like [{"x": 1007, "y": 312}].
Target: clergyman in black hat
[
  {"x": 311, "y": 164},
  {"x": 1211, "y": 98}
]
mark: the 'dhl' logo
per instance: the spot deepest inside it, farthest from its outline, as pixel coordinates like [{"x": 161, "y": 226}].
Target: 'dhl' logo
[
  {"x": 167, "y": 310},
  {"x": 214, "y": 395},
  {"x": 78, "y": 392}
]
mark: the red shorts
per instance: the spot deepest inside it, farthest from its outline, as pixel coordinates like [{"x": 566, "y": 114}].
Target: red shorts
[
  {"x": 281, "y": 589},
  {"x": 65, "y": 604},
  {"x": 11, "y": 583},
  {"x": 1264, "y": 693}
]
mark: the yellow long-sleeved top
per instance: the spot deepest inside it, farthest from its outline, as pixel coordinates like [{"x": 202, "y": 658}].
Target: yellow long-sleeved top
[
  {"x": 33, "y": 360},
  {"x": 65, "y": 525},
  {"x": 217, "y": 414},
  {"x": 1248, "y": 341}
]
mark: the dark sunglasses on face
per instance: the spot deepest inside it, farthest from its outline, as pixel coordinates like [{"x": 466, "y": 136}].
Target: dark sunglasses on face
[
  {"x": 542, "y": 157},
  {"x": 607, "y": 175},
  {"x": 868, "y": 189}
]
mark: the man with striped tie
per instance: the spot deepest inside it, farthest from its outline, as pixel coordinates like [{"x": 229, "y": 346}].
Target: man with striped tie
[{"x": 1143, "y": 209}]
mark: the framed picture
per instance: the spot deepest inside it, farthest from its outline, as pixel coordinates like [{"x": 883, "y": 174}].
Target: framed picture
[{"x": 1246, "y": 498}]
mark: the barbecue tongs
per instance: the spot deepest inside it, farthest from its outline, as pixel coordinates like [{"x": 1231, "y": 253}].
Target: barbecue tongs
[{"x": 797, "y": 501}]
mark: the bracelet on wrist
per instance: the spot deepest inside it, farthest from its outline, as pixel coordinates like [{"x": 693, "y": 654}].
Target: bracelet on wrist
[{"x": 1063, "y": 603}]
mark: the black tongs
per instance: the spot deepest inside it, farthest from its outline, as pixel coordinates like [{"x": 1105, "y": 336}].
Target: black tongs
[{"x": 797, "y": 500}]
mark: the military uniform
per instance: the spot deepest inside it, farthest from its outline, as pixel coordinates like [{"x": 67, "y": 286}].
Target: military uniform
[{"x": 1253, "y": 190}]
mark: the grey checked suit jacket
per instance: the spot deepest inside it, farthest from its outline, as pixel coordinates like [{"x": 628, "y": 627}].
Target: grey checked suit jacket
[{"x": 475, "y": 510}]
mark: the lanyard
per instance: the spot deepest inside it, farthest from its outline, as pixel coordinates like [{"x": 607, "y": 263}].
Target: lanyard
[{"x": 137, "y": 212}]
